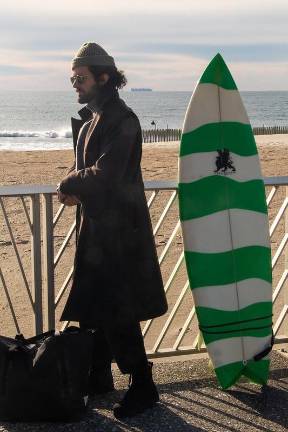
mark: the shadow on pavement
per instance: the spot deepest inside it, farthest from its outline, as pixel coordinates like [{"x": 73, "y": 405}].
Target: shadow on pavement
[
  {"x": 99, "y": 418},
  {"x": 160, "y": 419},
  {"x": 270, "y": 403}
]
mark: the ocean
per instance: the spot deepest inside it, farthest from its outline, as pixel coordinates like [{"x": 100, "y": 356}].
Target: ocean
[{"x": 41, "y": 120}]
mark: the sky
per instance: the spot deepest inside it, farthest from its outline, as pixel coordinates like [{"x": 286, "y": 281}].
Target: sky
[{"x": 161, "y": 44}]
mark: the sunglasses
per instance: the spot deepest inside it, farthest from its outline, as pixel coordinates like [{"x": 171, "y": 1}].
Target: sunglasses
[{"x": 78, "y": 79}]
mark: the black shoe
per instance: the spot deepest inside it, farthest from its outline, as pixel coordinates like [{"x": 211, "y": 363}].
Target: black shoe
[
  {"x": 141, "y": 395},
  {"x": 101, "y": 381}
]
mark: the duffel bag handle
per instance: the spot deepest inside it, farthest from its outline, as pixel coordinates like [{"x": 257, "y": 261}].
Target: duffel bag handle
[
  {"x": 39, "y": 337},
  {"x": 34, "y": 339}
]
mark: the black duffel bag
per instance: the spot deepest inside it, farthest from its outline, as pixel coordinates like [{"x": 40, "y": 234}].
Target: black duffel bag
[{"x": 45, "y": 378}]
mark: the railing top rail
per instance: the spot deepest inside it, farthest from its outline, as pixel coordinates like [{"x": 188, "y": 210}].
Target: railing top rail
[
  {"x": 276, "y": 181},
  {"x": 161, "y": 184},
  {"x": 26, "y": 190},
  {"x": 21, "y": 190}
]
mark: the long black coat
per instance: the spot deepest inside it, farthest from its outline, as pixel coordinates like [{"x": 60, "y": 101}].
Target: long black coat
[{"x": 116, "y": 274}]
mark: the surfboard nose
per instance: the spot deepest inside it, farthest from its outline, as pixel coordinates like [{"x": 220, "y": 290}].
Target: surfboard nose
[{"x": 218, "y": 73}]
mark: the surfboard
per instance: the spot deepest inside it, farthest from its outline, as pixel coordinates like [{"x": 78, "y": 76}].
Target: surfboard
[{"x": 224, "y": 222}]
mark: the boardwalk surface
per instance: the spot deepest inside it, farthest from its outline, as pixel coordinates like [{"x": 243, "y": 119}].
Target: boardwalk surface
[{"x": 190, "y": 401}]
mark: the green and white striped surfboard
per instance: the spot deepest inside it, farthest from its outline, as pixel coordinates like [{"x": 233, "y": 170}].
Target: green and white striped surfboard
[{"x": 225, "y": 229}]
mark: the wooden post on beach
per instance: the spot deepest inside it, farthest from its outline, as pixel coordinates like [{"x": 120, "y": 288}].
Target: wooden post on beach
[
  {"x": 36, "y": 262},
  {"x": 155, "y": 135}
]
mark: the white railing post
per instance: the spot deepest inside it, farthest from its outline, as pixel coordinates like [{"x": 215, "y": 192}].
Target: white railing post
[
  {"x": 285, "y": 293},
  {"x": 36, "y": 262},
  {"x": 48, "y": 261}
]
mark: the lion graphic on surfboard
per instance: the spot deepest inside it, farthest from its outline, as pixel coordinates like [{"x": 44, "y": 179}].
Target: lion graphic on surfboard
[{"x": 224, "y": 161}]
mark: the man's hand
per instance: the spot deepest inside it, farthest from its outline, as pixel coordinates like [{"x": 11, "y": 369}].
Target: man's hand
[
  {"x": 71, "y": 200},
  {"x": 67, "y": 200}
]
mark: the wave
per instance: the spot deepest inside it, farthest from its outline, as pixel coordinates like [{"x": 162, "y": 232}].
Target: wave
[
  {"x": 35, "y": 134},
  {"x": 35, "y": 146}
]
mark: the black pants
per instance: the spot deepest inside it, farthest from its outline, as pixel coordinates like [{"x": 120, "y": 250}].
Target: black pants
[{"x": 122, "y": 342}]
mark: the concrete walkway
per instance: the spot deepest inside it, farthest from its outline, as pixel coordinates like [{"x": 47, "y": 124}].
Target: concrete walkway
[{"x": 190, "y": 401}]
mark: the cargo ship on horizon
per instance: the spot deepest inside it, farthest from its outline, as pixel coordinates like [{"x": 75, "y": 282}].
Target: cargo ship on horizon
[{"x": 141, "y": 89}]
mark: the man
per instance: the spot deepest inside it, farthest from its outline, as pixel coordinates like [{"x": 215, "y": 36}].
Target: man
[{"x": 117, "y": 281}]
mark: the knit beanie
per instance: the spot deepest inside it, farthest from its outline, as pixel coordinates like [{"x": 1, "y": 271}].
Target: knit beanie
[{"x": 92, "y": 54}]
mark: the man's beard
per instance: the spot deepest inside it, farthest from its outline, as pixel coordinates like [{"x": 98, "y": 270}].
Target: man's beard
[{"x": 94, "y": 93}]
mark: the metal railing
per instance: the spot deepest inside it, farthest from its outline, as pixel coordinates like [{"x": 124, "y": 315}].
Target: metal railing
[{"x": 34, "y": 291}]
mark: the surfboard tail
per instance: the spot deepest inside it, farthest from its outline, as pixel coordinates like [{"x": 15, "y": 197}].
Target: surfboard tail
[{"x": 256, "y": 371}]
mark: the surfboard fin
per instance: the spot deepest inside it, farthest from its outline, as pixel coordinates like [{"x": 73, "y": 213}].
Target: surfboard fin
[{"x": 200, "y": 341}]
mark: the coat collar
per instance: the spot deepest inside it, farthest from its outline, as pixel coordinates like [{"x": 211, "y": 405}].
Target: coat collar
[
  {"x": 99, "y": 105},
  {"x": 86, "y": 114}
]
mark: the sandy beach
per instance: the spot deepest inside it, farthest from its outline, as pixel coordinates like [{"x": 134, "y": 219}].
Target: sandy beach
[{"x": 159, "y": 162}]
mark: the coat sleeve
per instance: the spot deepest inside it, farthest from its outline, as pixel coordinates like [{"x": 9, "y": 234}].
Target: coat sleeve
[{"x": 112, "y": 166}]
